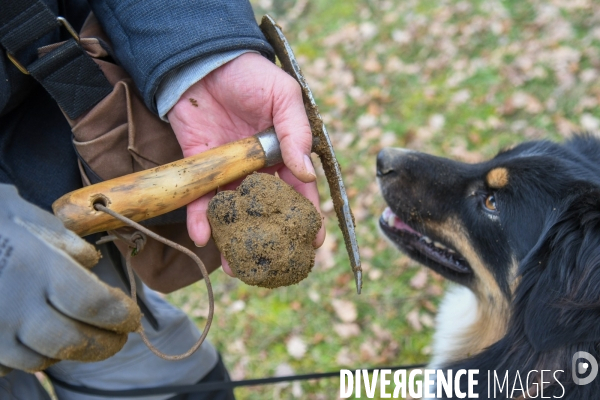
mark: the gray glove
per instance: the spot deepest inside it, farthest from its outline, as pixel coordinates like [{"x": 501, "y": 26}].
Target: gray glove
[{"x": 51, "y": 307}]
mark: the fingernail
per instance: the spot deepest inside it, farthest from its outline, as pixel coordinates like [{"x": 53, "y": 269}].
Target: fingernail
[
  {"x": 199, "y": 245},
  {"x": 308, "y": 166}
]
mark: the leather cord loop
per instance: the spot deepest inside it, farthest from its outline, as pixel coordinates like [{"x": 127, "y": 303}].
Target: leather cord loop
[{"x": 137, "y": 242}]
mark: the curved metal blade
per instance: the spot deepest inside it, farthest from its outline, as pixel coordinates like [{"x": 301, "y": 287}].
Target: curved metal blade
[{"x": 321, "y": 145}]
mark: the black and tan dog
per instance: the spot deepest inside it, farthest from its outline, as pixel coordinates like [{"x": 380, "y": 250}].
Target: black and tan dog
[{"x": 520, "y": 235}]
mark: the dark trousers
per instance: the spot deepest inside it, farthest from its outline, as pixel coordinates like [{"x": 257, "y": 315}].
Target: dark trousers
[
  {"x": 217, "y": 374},
  {"x": 19, "y": 385}
]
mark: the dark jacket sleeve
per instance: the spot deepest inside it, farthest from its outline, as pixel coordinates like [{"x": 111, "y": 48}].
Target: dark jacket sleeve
[{"x": 152, "y": 37}]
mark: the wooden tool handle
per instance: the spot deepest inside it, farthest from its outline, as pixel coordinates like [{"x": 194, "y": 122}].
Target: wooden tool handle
[{"x": 146, "y": 194}]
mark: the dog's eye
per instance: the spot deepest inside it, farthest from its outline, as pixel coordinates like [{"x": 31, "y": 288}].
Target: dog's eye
[{"x": 490, "y": 202}]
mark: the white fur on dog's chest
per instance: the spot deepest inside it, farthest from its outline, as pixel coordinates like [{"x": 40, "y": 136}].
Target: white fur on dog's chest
[{"x": 458, "y": 311}]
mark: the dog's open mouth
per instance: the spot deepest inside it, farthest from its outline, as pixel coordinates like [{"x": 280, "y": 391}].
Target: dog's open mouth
[{"x": 421, "y": 247}]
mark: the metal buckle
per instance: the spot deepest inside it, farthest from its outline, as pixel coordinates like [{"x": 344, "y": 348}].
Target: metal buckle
[
  {"x": 68, "y": 27},
  {"x": 17, "y": 64},
  {"x": 61, "y": 21}
]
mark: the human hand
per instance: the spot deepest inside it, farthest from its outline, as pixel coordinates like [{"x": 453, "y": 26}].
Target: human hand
[
  {"x": 235, "y": 101},
  {"x": 51, "y": 307}
]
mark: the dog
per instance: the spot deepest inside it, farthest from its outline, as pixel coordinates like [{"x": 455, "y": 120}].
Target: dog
[{"x": 519, "y": 235}]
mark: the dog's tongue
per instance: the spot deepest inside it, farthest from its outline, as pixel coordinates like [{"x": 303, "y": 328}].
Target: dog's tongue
[{"x": 393, "y": 221}]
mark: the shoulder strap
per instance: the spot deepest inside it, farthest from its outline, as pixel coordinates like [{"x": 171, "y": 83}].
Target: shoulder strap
[{"x": 68, "y": 73}]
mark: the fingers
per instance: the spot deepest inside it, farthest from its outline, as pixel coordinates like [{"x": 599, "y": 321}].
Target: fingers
[
  {"x": 4, "y": 370},
  {"x": 308, "y": 190},
  {"x": 21, "y": 357},
  {"x": 197, "y": 221},
  {"x": 83, "y": 252},
  {"x": 226, "y": 267},
  {"x": 81, "y": 296},
  {"x": 63, "y": 239},
  {"x": 63, "y": 338},
  {"x": 292, "y": 127}
]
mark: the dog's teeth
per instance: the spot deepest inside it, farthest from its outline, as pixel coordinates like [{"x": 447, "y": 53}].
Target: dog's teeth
[
  {"x": 439, "y": 245},
  {"x": 426, "y": 239},
  {"x": 391, "y": 220},
  {"x": 451, "y": 251}
]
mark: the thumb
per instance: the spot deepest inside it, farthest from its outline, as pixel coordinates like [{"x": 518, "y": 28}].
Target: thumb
[
  {"x": 292, "y": 127},
  {"x": 83, "y": 252},
  {"x": 197, "y": 220}
]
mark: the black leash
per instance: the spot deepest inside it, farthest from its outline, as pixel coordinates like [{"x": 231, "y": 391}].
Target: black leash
[{"x": 210, "y": 386}]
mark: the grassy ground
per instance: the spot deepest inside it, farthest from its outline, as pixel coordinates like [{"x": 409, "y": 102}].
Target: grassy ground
[{"x": 459, "y": 79}]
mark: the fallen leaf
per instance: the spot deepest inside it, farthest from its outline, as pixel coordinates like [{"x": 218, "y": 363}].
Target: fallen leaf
[
  {"x": 460, "y": 97},
  {"x": 343, "y": 279},
  {"x": 295, "y": 305},
  {"x": 297, "y": 391},
  {"x": 368, "y": 30},
  {"x": 437, "y": 122},
  {"x": 284, "y": 369},
  {"x": 427, "y": 320},
  {"x": 402, "y": 37},
  {"x": 388, "y": 139},
  {"x": 368, "y": 351},
  {"x": 318, "y": 338},
  {"x": 372, "y": 65},
  {"x": 589, "y": 122},
  {"x": 236, "y": 306},
  {"x": 375, "y": 274},
  {"x": 366, "y": 121},
  {"x": 296, "y": 347},
  {"x": 564, "y": 126},
  {"x": 381, "y": 333},
  {"x": 429, "y": 306},
  {"x": 413, "y": 320},
  {"x": 419, "y": 280},
  {"x": 237, "y": 347},
  {"x": 345, "y": 310},
  {"x": 435, "y": 290},
  {"x": 200, "y": 311},
  {"x": 324, "y": 257},
  {"x": 238, "y": 372},
  {"x": 367, "y": 253},
  {"x": 345, "y": 357},
  {"x": 346, "y": 330},
  {"x": 327, "y": 206}
]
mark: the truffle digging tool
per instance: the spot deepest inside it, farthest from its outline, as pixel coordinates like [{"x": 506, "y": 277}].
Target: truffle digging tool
[{"x": 156, "y": 191}]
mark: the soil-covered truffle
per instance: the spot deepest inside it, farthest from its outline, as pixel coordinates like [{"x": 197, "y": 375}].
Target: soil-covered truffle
[{"x": 265, "y": 230}]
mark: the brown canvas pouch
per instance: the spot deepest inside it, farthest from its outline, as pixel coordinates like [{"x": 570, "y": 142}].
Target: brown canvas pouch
[{"x": 120, "y": 136}]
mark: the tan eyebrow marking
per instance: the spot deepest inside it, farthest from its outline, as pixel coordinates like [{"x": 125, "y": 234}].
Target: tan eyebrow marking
[{"x": 497, "y": 178}]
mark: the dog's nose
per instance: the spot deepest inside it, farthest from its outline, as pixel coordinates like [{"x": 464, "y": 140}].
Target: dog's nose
[{"x": 387, "y": 159}]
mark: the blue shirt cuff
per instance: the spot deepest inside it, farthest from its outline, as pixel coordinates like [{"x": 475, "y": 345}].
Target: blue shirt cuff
[{"x": 176, "y": 82}]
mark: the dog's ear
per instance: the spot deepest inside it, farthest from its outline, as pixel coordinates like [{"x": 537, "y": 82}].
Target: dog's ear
[{"x": 558, "y": 298}]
